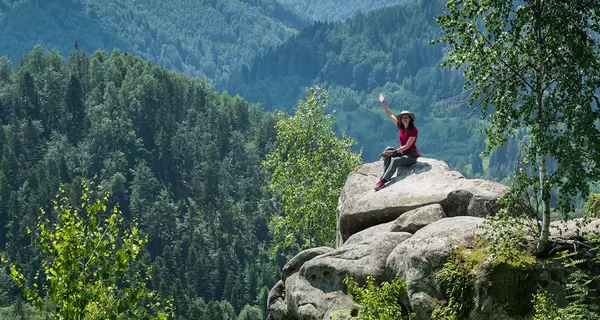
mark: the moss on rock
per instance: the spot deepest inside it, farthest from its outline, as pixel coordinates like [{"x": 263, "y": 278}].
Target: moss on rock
[{"x": 476, "y": 283}]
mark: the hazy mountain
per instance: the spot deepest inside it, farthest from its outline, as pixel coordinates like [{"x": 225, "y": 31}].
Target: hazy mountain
[
  {"x": 333, "y": 10},
  {"x": 206, "y": 38}
]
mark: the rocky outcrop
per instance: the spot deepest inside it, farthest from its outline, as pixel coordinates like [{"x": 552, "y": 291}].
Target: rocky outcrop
[
  {"x": 357, "y": 260},
  {"x": 427, "y": 182},
  {"x": 408, "y": 230},
  {"x": 416, "y": 259}
]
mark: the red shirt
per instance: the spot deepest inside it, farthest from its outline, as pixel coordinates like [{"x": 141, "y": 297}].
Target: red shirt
[{"x": 405, "y": 134}]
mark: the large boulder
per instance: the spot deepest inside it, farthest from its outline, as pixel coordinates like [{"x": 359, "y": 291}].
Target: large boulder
[
  {"x": 574, "y": 227},
  {"x": 276, "y": 304},
  {"x": 410, "y": 222},
  {"x": 314, "y": 286},
  {"x": 357, "y": 260},
  {"x": 304, "y": 301},
  {"x": 498, "y": 289},
  {"x": 416, "y": 259},
  {"x": 298, "y": 260},
  {"x": 369, "y": 232},
  {"x": 427, "y": 182}
]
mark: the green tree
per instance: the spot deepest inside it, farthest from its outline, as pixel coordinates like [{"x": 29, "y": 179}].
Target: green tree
[
  {"x": 86, "y": 268},
  {"x": 308, "y": 168},
  {"x": 536, "y": 63},
  {"x": 74, "y": 101},
  {"x": 250, "y": 313},
  {"x": 28, "y": 96},
  {"x": 592, "y": 207},
  {"x": 381, "y": 302}
]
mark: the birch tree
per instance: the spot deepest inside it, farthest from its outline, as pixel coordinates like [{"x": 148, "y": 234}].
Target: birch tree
[
  {"x": 534, "y": 64},
  {"x": 308, "y": 169}
]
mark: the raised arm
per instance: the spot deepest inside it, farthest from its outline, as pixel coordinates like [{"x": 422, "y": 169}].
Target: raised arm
[{"x": 387, "y": 110}]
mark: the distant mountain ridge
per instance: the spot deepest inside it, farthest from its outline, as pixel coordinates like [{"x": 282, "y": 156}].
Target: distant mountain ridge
[
  {"x": 205, "y": 38},
  {"x": 336, "y": 10}
]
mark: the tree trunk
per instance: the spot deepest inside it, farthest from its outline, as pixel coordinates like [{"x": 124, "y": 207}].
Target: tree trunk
[
  {"x": 539, "y": 94},
  {"x": 545, "y": 194},
  {"x": 544, "y": 187}
]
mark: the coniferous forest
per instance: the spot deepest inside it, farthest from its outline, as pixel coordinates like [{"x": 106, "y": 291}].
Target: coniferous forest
[{"x": 179, "y": 158}]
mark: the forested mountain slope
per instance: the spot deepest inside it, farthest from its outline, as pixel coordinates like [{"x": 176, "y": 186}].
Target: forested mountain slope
[
  {"x": 335, "y": 10},
  {"x": 362, "y": 53},
  {"x": 387, "y": 50},
  {"x": 179, "y": 158},
  {"x": 204, "y": 38}
]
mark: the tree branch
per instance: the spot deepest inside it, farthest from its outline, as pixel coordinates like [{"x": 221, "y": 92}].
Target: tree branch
[
  {"x": 97, "y": 245},
  {"x": 504, "y": 62},
  {"x": 485, "y": 98},
  {"x": 561, "y": 244},
  {"x": 476, "y": 107}
]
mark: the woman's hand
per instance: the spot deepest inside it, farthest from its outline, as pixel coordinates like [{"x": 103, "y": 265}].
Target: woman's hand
[
  {"x": 387, "y": 110},
  {"x": 388, "y": 153}
]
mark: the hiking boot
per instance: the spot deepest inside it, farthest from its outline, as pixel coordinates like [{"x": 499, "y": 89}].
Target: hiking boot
[{"x": 380, "y": 184}]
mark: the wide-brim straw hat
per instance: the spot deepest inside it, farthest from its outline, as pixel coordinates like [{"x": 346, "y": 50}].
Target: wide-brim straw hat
[{"x": 411, "y": 114}]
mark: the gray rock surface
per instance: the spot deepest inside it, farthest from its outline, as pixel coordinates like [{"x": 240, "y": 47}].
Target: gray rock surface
[
  {"x": 276, "y": 307},
  {"x": 412, "y": 221},
  {"x": 369, "y": 232},
  {"x": 298, "y": 260},
  {"x": 416, "y": 259},
  {"x": 358, "y": 260},
  {"x": 573, "y": 227},
  {"x": 304, "y": 301},
  {"x": 427, "y": 182}
]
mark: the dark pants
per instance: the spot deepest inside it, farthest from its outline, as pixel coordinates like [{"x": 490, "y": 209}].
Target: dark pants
[{"x": 391, "y": 164}]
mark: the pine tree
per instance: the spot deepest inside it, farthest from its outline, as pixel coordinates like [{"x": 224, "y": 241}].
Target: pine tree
[{"x": 74, "y": 102}]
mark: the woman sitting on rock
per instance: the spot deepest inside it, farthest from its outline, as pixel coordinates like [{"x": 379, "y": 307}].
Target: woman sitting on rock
[{"x": 407, "y": 153}]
